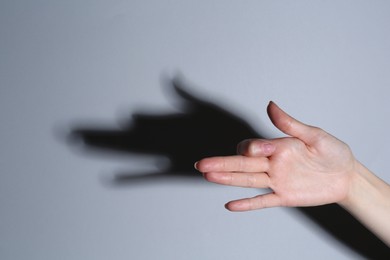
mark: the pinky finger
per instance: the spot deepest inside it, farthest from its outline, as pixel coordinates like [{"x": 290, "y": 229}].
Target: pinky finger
[{"x": 259, "y": 202}]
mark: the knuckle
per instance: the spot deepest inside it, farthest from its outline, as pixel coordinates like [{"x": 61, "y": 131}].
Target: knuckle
[
  {"x": 251, "y": 180},
  {"x": 318, "y": 131},
  {"x": 241, "y": 164},
  {"x": 259, "y": 203},
  {"x": 253, "y": 203},
  {"x": 230, "y": 179}
]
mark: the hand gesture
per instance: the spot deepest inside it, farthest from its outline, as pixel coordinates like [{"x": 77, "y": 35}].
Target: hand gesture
[{"x": 309, "y": 167}]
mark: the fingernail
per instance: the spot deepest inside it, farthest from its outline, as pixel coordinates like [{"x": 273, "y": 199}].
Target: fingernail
[
  {"x": 196, "y": 165},
  {"x": 241, "y": 146}
]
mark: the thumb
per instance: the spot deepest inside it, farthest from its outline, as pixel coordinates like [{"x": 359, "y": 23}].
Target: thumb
[{"x": 292, "y": 127}]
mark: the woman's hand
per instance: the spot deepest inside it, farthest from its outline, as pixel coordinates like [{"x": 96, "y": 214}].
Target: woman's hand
[{"x": 308, "y": 168}]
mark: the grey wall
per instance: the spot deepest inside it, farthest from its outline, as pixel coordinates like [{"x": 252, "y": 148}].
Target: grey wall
[{"x": 71, "y": 65}]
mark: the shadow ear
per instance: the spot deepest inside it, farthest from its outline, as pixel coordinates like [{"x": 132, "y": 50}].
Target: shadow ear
[{"x": 182, "y": 97}]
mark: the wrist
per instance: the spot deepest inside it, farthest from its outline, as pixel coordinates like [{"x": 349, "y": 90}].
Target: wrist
[
  {"x": 364, "y": 188},
  {"x": 368, "y": 200},
  {"x": 359, "y": 183}
]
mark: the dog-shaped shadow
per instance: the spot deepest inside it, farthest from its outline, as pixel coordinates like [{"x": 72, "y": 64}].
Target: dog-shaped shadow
[
  {"x": 204, "y": 129},
  {"x": 200, "y": 130}
]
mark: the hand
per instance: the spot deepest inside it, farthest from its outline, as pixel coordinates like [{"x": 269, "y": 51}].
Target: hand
[{"x": 308, "y": 168}]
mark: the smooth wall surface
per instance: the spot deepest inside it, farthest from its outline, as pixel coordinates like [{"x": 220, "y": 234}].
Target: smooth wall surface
[{"x": 103, "y": 70}]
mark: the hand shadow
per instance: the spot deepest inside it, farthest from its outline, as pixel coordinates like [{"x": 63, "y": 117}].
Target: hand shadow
[
  {"x": 200, "y": 130},
  {"x": 204, "y": 129}
]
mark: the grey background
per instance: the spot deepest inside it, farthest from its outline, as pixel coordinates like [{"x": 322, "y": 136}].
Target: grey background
[{"x": 69, "y": 63}]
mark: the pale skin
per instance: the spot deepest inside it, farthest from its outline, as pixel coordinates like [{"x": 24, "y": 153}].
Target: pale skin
[{"x": 309, "y": 167}]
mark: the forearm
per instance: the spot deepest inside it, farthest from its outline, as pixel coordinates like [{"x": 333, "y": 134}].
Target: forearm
[{"x": 369, "y": 201}]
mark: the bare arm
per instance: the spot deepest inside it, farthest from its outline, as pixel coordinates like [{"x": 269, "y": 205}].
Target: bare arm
[
  {"x": 308, "y": 168},
  {"x": 369, "y": 202}
]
